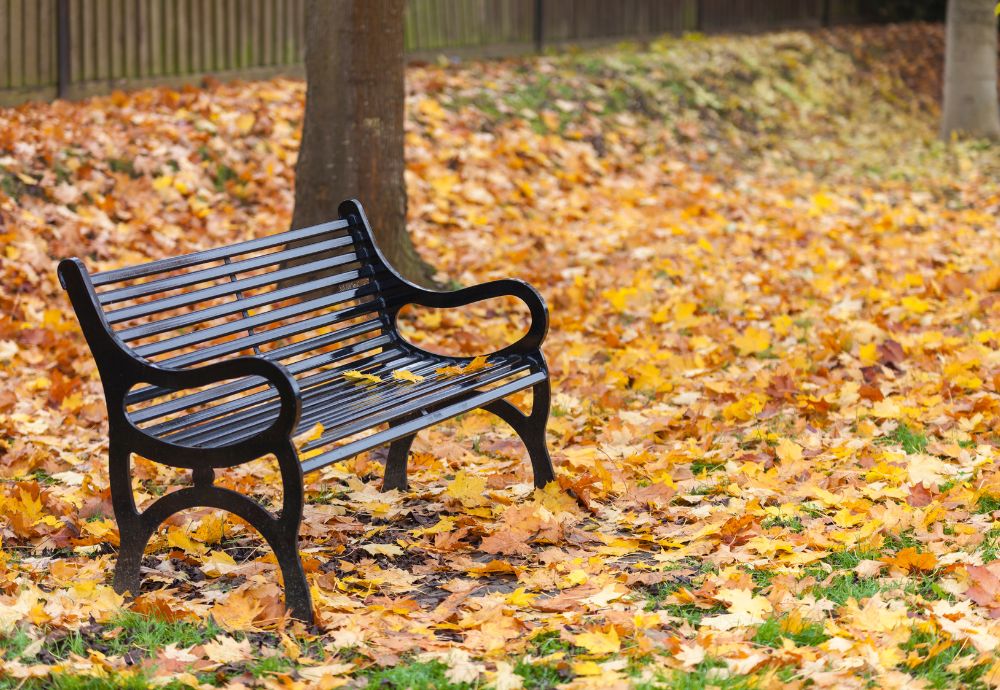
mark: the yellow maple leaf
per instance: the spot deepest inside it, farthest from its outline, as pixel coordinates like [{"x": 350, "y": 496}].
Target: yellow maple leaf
[
  {"x": 383, "y": 549},
  {"x": 99, "y": 528},
  {"x": 752, "y": 341},
  {"x": 315, "y": 432},
  {"x": 179, "y": 539},
  {"x": 162, "y": 182},
  {"x": 782, "y": 324},
  {"x": 788, "y": 450},
  {"x": 598, "y": 642},
  {"x": 821, "y": 202},
  {"x": 520, "y": 598},
  {"x": 745, "y": 408},
  {"x": 361, "y": 377},
  {"x": 245, "y": 122},
  {"x": 468, "y": 489},
  {"x": 477, "y": 363},
  {"x": 868, "y": 354},
  {"x": 745, "y": 609},
  {"x": 588, "y": 668},
  {"x": 406, "y": 375},
  {"x": 218, "y": 563},
  {"x": 238, "y": 611},
  {"x": 887, "y": 409},
  {"x": 915, "y": 305},
  {"x": 619, "y": 297}
]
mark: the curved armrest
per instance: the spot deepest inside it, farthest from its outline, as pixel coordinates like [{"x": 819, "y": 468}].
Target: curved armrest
[
  {"x": 539, "y": 327},
  {"x": 275, "y": 373},
  {"x": 351, "y": 211}
]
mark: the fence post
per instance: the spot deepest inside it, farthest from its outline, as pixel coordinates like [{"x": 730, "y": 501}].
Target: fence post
[
  {"x": 826, "y": 13},
  {"x": 539, "y": 26},
  {"x": 62, "y": 49}
]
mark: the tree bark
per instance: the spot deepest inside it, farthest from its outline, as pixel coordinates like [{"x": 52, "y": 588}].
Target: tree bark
[
  {"x": 971, "y": 105},
  {"x": 352, "y": 137}
]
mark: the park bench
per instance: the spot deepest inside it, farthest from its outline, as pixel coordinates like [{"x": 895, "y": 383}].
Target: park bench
[{"x": 222, "y": 356}]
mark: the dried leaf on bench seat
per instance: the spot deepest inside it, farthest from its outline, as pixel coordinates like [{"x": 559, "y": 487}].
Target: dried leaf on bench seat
[{"x": 361, "y": 377}]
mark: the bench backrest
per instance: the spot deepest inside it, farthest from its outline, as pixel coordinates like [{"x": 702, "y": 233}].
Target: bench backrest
[{"x": 308, "y": 298}]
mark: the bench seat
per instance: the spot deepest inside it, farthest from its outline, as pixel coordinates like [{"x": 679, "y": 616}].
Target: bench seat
[{"x": 344, "y": 407}]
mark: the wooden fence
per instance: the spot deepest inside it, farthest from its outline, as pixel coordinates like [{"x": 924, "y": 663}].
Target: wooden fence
[{"x": 75, "y": 48}]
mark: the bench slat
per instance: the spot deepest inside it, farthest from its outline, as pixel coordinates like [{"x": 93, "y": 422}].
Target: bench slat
[
  {"x": 225, "y": 270},
  {"x": 335, "y": 390},
  {"x": 285, "y": 352},
  {"x": 247, "y": 342},
  {"x": 338, "y": 426},
  {"x": 367, "y": 413},
  {"x": 411, "y": 427},
  {"x": 215, "y": 254},
  {"x": 180, "y": 423},
  {"x": 173, "y": 323},
  {"x": 205, "y": 396},
  {"x": 262, "y": 319},
  {"x": 270, "y": 396},
  {"x": 186, "y": 299},
  {"x": 329, "y": 388}
]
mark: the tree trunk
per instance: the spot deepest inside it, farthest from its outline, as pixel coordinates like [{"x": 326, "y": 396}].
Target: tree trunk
[
  {"x": 352, "y": 137},
  {"x": 970, "y": 70}
]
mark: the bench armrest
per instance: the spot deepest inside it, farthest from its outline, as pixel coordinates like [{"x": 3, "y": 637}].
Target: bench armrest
[
  {"x": 538, "y": 328},
  {"x": 273, "y": 372}
]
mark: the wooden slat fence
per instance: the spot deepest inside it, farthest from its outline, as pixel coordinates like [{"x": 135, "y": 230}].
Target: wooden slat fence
[{"x": 111, "y": 44}]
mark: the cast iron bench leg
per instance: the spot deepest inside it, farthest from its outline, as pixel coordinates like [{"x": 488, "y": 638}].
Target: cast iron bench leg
[
  {"x": 395, "y": 464},
  {"x": 530, "y": 427},
  {"x": 279, "y": 531}
]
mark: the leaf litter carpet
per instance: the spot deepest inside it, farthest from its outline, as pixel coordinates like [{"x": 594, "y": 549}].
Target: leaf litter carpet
[{"x": 775, "y": 307}]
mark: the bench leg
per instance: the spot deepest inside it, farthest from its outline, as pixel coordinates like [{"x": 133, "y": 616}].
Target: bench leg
[
  {"x": 279, "y": 531},
  {"x": 395, "y": 464},
  {"x": 531, "y": 429},
  {"x": 132, "y": 535}
]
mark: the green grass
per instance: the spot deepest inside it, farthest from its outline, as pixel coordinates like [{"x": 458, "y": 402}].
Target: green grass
[
  {"x": 848, "y": 560},
  {"x": 990, "y": 548},
  {"x": 847, "y": 586},
  {"x": 710, "y": 673},
  {"x": 135, "y": 632},
  {"x": 927, "y": 587},
  {"x": 988, "y": 504},
  {"x": 550, "y": 642},
  {"x": 122, "y": 165},
  {"x": 69, "y": 682},
  {"x": 770, "y": 634},
  {"x": 152, "y": 634},
  {"x": 933, "y": 670},
  {"x": 223, "y": 174},
  {"x": 269, "y": 665},
  {"x": 701, "y": 466},
  {"x": 691, "y": 613},
  {"x": 658, "y": 593},
  {"x": 898, "y": 542},
  {"x": 911, "y": 441},
  {"x": 794, "y": 523},
  {"x": 539, "y": 676},
  {"x": 414, "y": 675},
  {"x": 13, "y": 646}
]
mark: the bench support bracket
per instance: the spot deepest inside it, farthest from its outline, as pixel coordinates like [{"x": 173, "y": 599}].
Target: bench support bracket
[
  {"x": 530, "y": 427},
  {"x": 279, "y": 531}
]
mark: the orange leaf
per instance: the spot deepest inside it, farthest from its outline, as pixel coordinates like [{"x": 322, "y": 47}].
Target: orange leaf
[{"x": 909, "y": 559}]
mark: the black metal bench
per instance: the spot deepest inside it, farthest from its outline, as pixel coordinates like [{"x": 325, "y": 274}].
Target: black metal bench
[{"x": 222, "y": 356}]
